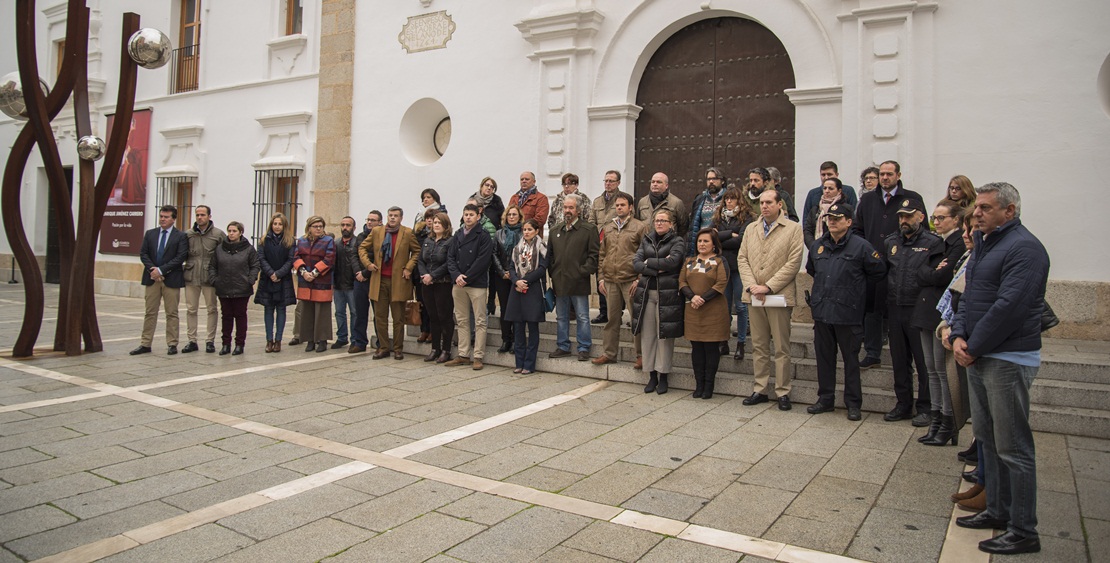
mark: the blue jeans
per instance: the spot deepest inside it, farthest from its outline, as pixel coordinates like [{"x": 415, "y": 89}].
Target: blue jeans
[
  {"x": 999, "y": 396},
  {"x": 581, "y": 304},
  {"x": 362, "y": 314},
  {"x": 526, "y": 348},
  {"x": 734, "y": 293},
  {"x": 344, "y": 301},
  {"x": 274, "y": 328}
]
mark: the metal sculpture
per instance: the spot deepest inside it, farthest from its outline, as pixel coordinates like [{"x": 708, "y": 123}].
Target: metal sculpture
[{"x": 39, "y": 106}]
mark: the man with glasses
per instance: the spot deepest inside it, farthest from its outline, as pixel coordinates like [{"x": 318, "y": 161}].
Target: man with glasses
[
  {"x": 359, "y": 339},
  {"x": 601, "y": 213},
  {"x": 705, "y": 204},
  {"x": 570, "y": 189},
  {"x": 533, "y": 204}
]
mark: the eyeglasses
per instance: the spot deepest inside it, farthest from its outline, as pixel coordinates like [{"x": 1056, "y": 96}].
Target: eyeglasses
[
  {"x": 662, "y": 221},
  {"x": 937, "y": 218},
  {"x": 612, "y": 181},
  {"x": 316, "y": 226}
]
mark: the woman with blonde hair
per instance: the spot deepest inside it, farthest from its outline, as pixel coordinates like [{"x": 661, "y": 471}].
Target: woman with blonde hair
[
  {"x": 275, "y": 281},
  {"x": 960, "y": 191},
  {"x": 730, "y": 220},
  {"x": 313, "y": 261},
  {"x": 657, "y": 305}
]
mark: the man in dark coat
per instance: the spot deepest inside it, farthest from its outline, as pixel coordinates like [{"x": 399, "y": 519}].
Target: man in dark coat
[
  {"x": 571, "y": 261},
  {"x": 468, "y": 260},
  {"x": 163, "y": 254},
  {"x": 359, "y": 339},
  {"x": 997, "y": 336},
  {"x": 876, "y": 218},
  {"x": 346, "y": 264},
  {"x": 840, "y": 262},
  {"x": 909, "y": 251}
]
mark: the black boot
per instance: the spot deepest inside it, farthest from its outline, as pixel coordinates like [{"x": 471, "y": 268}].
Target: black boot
[
  {"x": 946, "y": 432},
  {"x": 970, "y": 456},
  {"x": 653, "y": 381},
  {"x": 662, "y": 384},
  {"x": 431, "y": 357},
  {"x": 699, "y": 386},
  {"x": 707, "y": 392},
  {"x": 933, "y": 427},
  {"x": 225, "y": 350},
  {"x": 311, "y": 347}
]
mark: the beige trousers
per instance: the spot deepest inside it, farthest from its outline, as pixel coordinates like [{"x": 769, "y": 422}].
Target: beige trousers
[
  {"x": 470, "y": 301},
  {"x": 616, "y": 301},
  {"x": 193, "y": 293},
  {"x": 769, "y": 323},
  {"x": 170, "y": 297}
]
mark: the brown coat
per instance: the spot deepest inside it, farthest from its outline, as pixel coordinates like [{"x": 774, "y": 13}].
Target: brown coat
[
  {"x": 617, "y": 249},
  {"x": 405, "y": 254},
  {"x": 773, "y": 260},
  {"x": 710, "y": 322}
]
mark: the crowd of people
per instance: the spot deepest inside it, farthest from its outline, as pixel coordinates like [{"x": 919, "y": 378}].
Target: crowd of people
[{"x": 957, "y": 295}]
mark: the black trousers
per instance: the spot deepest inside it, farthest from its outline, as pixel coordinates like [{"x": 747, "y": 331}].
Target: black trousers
[
  {"x": 705, "y": 357},
  {"x": 440, "y": 307},
  {"x": 905, "y": 345},
  {"x": 827, "y": 339},
  {"x": 502, "y": 287}
]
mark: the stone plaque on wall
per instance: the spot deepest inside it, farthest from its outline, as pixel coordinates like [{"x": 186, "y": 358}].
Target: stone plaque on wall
[{"x": 426, "y": 32}]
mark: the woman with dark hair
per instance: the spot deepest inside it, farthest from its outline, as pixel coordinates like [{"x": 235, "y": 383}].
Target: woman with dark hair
[
  {"x": 436, "y": 287},
  {"x": 702, "y": 282},
  {"x": 657, "y": 306},
  {"x": 960, "y": 191},
  {"x": 429, "y": 198},
  {"x": 526, "y": 308},
  {"x": 947, "y": 219},
  {"x": 486, "y": 197},
  {"x": 275, "y": 282},
  {"x": 422, "y": 229},
  {"x": 730, "y": 220},
  {"x": 232, "y": 271},
  {"x": 832, "y": 191},
  {"x": 504, "y": 242},
  {"x": 313, "y": 262},
  {"x": 868, "y": 179}
]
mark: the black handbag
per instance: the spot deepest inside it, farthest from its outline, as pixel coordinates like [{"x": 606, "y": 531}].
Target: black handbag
[{"x": 1048, "y": 317}]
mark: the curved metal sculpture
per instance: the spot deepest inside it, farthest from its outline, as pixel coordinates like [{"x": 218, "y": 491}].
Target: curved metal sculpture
[{"x": 76, "y": 305}]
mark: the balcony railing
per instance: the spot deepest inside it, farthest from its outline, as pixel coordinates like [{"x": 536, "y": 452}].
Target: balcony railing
[{"x": 186, "y": 69}]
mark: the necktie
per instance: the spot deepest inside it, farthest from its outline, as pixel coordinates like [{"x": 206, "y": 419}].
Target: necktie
[
  {"x": 161, "y": 245},
  {"x": 886, "y": 197}
]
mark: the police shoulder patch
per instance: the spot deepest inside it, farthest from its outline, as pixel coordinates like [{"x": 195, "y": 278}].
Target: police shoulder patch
[
  {"x": 820, "y": 249},
  {"x": 875, "y": 254},
  {"x": 894, "y": 249}
]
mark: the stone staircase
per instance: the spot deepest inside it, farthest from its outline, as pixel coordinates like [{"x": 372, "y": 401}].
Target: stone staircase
[{"x": 1071, "y": 394}]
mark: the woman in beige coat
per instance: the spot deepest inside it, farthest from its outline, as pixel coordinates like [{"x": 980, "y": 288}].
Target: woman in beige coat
[{"x": 702, "y": 282}]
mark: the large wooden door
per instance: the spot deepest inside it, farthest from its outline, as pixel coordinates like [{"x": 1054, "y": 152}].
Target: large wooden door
[{"x": 713, "y": 96}]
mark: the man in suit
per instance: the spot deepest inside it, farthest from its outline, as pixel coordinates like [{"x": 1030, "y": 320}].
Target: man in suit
[
  {"x": 390, "y": 252},
  {"x": 163, "y": 254}
]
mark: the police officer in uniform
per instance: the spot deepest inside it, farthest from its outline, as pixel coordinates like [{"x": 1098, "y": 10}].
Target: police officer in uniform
[{"x": 840, "y": 263}]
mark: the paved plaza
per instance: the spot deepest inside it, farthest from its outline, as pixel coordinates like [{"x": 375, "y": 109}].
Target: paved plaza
[{"x": 334, "y": 457}]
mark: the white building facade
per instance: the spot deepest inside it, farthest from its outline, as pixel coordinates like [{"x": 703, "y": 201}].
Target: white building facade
[{"x": 1010, "y": 91}]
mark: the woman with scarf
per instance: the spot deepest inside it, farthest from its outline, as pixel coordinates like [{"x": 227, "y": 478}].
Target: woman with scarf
[
  {"x": 313, "y": 262},
  {"x": 657, "y": 305},
  {"x": 702, "y": 281},
  {"x": 429, "y": 198},
  {"x": 436, "y": 284},
  {"x": 232, "y": 271},
  {"x": 525, "y": 308},
  {"x": 275, "y": 282},
  {"x": 832, "y": 191},
  {"x": 730, "y": 220},
  {"x": 486, "y": 197},
  {"x": 503, "y": 245}
]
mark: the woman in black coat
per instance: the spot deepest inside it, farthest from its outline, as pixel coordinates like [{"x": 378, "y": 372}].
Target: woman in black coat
[
  {"x": 232, "y": 271},
  {"x": 947, "y": 218},
  {"x": 526, "y": 308},
  {"x": 275, "y": 282},
  {"x": 436, "y": 287},
  {"x": 657, "y": 306},
  {"x": 504, "y": 243},
  {"x": 730, "y": 220}
]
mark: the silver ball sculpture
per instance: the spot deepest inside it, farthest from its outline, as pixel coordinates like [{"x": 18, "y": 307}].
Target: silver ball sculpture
[
  {"x": 149, "y": 48},
  {"x": 11, "y": 96},
  {"x": 91, "y": 148}
]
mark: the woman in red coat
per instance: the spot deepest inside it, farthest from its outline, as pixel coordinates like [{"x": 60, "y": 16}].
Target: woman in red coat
[{"x": 313, "y": 262}]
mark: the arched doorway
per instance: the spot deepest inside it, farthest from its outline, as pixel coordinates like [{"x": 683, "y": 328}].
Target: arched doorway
[{"x": 712, "y": 95}]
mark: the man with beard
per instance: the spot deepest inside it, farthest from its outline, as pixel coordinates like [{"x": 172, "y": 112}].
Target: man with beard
[
  {"x": 572, "y": 258},
  {"x": 601, "y": 213},
  {"x": 390, "y": 253},
  {"x": 908, "y": 251},
  {"x": 705, "y": 205},
  {"x": 876, "y": 219},
  {"x": 620, "y": 238},
  {"x": 359, "y": 339},
  {"x": 204, "y": 237},
  {"x": 662, "y": 198},
  {"x": 343, "y": 283},
  {"x": 759, "y": 180}
]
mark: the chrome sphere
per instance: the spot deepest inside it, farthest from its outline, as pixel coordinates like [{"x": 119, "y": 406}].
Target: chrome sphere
[
  {"x": 91, "y": 148},
  {"x": 149, "y": 48},
  {"x": 11, "y": 95}
]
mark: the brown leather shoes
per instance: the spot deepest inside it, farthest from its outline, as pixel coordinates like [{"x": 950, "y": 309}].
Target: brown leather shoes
[
  {"x": 639, "y": 363},
  {"x": 356, "y": 349},
  {"x": 380, "y": 354},
  {"x": 269, "y": 346},
  {"x": 602, "y": 360},
  {"x": 398, "y": 355},
  {"x": 477, "y": 365},
  {"x": 970, "y": 493},
  {"x": 461, "y": 360}
]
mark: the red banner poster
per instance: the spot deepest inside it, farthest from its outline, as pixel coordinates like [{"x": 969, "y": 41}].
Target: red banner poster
[{"x": 125, "y": 218}]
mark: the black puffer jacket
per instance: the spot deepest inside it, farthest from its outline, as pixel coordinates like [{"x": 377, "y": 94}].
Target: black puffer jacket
[
  {"x": 659, "y": 261},
  {"x": 234, "y": 268},
  {"x": 934, "y": 281}
]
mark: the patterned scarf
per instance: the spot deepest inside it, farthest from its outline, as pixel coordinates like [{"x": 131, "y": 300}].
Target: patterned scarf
[
  {"x": 823, "y": 210},
  {"x": 526, "y": 255}
]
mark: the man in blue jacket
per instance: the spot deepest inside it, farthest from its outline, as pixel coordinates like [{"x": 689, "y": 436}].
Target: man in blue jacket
[
  {"x": 163, "y": 255},
  {"x": 997, "y": 337},
  {"x": 468, "y": 258}
]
